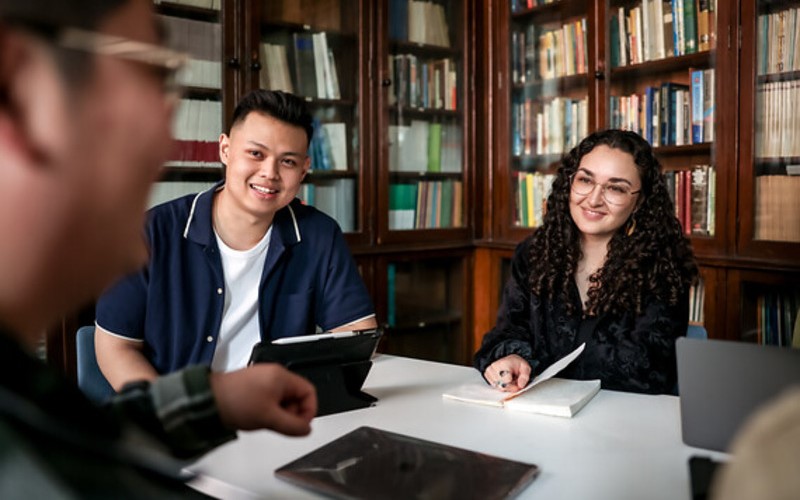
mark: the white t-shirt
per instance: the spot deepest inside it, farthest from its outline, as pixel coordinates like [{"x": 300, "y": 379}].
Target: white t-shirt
[{"x": 239, "y": 331}]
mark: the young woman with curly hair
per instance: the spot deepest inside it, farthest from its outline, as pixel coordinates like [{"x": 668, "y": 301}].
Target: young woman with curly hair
[{"x": 610, "y": 266}]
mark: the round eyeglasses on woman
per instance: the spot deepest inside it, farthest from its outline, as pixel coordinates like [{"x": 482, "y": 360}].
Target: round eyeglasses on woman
[{"x": 615, "y": 193}]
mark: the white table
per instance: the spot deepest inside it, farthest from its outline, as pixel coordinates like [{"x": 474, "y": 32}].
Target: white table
[{"x": 620, "y": 446}]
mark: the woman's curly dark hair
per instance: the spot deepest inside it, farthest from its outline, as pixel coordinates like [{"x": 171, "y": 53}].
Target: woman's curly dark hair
[{"x": 655, "y": 260}]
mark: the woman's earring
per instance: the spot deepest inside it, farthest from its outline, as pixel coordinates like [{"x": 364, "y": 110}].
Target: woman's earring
[{"x": 631, "y": 227}]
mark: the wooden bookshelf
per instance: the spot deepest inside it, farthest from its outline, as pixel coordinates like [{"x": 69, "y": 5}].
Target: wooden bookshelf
[{"x": 735, "y": 266}]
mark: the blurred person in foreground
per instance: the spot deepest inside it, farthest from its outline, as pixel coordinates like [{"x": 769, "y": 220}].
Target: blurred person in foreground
[{"x": 84, "y": 128}]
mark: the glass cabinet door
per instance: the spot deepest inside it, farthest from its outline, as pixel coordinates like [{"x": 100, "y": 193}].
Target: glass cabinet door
[
  {"x": 549, "y": 63},
  {"x": 773, "y": 176},
  {"x": 425, "y": 315},
  {"x": 194, "y": 28},
  {"x": 662, "y": 85},
  {"x": 314, "y": 49},
  {"x": 423, "y": 115}
]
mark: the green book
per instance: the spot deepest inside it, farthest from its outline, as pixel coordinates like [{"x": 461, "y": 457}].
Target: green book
[
  {"x": 690, "y": 26},
  {"x": 435, "y": 147},
  {"x": 447, "y": 204}
]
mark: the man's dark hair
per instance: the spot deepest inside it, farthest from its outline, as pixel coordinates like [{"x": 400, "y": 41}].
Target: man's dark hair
[{"x": 280, "y": 105}]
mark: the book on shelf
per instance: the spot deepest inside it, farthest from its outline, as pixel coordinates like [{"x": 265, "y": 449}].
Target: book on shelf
[
  {"x": 336, "y": 135},
  {"x": 777, "y": 208},
  {"x": 697, "y": 88},
  {"x": 320, "y": 44},
  {"x": 195, "y": 129},
  {"x": 696, "y": 302},
  {"x": 402, "y": 205},
  {"x": 202, "y": 40},
  {"x": 425, "y": 205},
  {"x": 708, "y": 105},
  {"x": 544, "y": 394},
  {"x": 276, "y": 74},
  {"x": 325, "y": 68},
  {"x": 304, "y": 64},
  {"x": 533, "y": 188},
  {"x": 690, "y": 26},
  {"x": 650, "y": 30},
  {"x": 427, "y": 23},
  {"x": 335, "y": 197},
  {"x": 328, "y": 148},
  {"x": 777, "y": 314},
  {"x": 777, "y": 126}
]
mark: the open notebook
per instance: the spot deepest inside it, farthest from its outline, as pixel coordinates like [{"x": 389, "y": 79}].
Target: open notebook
[
  {"x": 544, "y": 394},
  {"x": 372, "y": 463}
]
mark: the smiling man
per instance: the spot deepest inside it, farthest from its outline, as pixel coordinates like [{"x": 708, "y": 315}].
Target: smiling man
[{"x": 242, "y": 262}]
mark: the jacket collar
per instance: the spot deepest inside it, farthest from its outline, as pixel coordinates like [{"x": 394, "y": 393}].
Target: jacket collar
[{"x": 199, "y": 228}]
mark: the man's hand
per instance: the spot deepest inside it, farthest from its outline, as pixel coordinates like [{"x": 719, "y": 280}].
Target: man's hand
[{"x": 265, "y": 396}]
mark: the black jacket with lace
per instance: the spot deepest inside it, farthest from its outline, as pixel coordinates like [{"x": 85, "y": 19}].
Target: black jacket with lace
[{"x": 626, "y": 352}]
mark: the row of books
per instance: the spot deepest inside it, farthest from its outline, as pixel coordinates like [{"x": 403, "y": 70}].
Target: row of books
[
  {"x": 672, "y": 114},
  {"x": 533, "y": 188},
  {"x": 328, "y": 148},
  {"x": 306, "y": 67},
  {"x": 552, "y": 127},
  {"x": 203, "y": 42},
  {"x": 164, "y": 191},
  {"x": 426, "y": 205},
  {"x": 203, "y": 4},
  {"x": 694, "y": 194},
  {"x": 425, "y": 147},
  {"x": 539, "y": 54},
  {"x": 777, "y": 319},
  {"x": 697, "y": 297},
  {"x": 520, "y": 5},
  {"x": 335, "y": 197},
  {"x": 657, "y": 29},
  {"x": 776, "y": 44},
  {"x": 778, "y": 119},
  {"x": 423, "y": 22},
  {"x": 777, "y": 207},
  {"x": 196, "y": 128},
  {"x": 431, "y": 84}
]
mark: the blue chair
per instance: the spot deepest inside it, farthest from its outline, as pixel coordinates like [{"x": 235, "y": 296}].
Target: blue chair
[
  {"x": 90, "y": 378},
  {"x": 693, "y": 332},
  {"x": 697, "y": 332}
]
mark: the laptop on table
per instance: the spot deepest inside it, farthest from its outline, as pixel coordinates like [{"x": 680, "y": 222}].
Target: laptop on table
[{"x": 721, "y": 383}]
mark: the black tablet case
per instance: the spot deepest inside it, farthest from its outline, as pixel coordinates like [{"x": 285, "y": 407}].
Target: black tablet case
[
  {"x": 336, "y": 366},
  {"x": 372, "y": 463}
]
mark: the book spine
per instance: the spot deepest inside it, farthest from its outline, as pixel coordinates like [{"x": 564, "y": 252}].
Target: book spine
[{"x": 697, "y": 106}]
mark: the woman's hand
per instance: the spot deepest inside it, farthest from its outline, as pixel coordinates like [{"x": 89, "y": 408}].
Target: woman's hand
[{"x": 508, "y": 374}]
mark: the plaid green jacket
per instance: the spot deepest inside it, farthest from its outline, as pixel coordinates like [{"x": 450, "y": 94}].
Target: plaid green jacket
[{"x": 55, "y": 443}]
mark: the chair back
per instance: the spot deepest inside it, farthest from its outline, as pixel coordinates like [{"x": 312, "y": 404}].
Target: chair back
[
  {"x": 697, "y": 332},
  {"x": 90, "y": 378}
]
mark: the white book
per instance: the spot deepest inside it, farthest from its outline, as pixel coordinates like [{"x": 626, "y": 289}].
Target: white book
[
  {"x": 337, "y": 138},
  {"x": 481, "y": 393},
  {"x": 558, "y": 397},
  {"x": 646, "y": 30},
  {"x": 335, "y": 93},
  {"x": 320, "y": 61}
]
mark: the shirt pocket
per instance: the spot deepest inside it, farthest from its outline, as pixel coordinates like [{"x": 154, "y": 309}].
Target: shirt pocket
[{"x": 294, "y": 315}]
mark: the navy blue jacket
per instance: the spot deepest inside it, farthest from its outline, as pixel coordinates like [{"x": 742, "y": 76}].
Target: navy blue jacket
[{"x": 175, "y": 304}]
